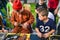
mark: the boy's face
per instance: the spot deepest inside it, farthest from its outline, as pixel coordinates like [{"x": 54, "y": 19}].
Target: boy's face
[{"x": 42, "y": 18}]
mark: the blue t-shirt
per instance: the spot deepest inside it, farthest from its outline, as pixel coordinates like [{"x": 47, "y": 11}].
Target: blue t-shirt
[{"x": 45, "y": 28}]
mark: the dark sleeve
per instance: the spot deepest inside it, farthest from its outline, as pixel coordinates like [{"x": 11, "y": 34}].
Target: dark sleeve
[
  {"x": 12, "y": 19},
  {"x": 37, "y": 23},
  {"x": 36, "y": 6},
  {"x": 31, "y": 18},
  {"x": 44, "y": 5},
  {"x": 53, "y": 25},
  {"x": 4, "y": 22},
  {"x": 1, "y": 4}
]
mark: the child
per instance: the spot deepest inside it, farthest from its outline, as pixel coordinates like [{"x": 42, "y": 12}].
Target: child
[
  {"x": 2, "y": 26},
  {"x": 21, "y": 18},
  {"x": 44, "y": 26},
  {"x": 9, "y": 8}
]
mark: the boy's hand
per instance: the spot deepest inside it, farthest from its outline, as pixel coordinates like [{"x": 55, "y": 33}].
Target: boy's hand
[
  {"x": 39, "y": 35},
  {"x": 46, "y": 35}
]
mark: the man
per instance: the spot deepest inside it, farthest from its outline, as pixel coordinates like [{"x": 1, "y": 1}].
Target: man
[{"x": 21, "y": 19}]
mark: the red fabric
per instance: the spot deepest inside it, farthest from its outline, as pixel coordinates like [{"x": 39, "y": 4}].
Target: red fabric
[
  {"x": 17, "y": 5},
  {"x": 53, "y": 3}
]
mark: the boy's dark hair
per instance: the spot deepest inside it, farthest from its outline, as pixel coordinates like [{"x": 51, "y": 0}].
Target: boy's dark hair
[{"x": 44, "y": 10}]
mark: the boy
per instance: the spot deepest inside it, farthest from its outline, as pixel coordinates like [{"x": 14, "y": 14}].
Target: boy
[
  {"x": 40, "y": 4},
  {"x": 44, "y": 26}
]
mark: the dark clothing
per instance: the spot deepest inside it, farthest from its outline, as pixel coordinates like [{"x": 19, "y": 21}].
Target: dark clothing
[
  {"x": 58, "y": 29},
  {"x": 43, "y": 6},
  {"x": 0, "y": 27},
  {"x": 52, "y": 11},
  {"x": 47, "y": 27},
  {"x": 35, "y": 37}
]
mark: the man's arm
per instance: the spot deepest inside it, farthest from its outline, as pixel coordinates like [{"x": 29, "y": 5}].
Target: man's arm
[
  {"x": 31, "y": 18},
  {"x": 58, "y": 4},
  {"x": 29, "y": 21},
  {"x": 56, "y": 10},
  {"x": 13, "y": 19}
]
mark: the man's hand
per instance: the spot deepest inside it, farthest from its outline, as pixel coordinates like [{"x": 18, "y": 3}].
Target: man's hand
[
  {"x": 25, "y": 25},
  {"x": 15, "y": 24},
  {"x": 56, "y": 11},
  {"x": 46, "y": 35}
]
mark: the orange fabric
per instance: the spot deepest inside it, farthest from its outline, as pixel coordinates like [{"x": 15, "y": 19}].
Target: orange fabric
[{"x": 22, "y": 17}]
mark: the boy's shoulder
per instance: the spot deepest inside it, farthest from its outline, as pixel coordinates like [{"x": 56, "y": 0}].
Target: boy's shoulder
[{"x": 50, "y": 20}]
